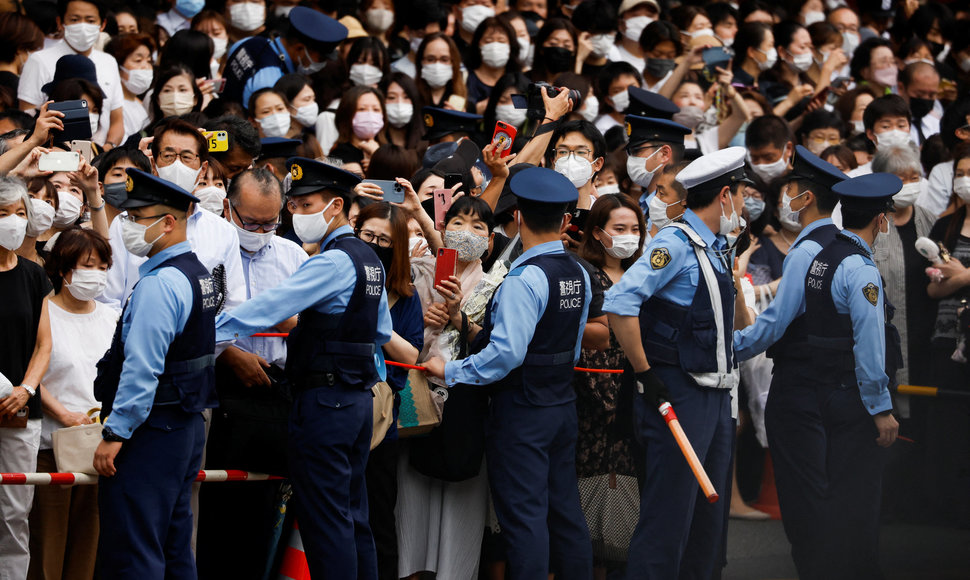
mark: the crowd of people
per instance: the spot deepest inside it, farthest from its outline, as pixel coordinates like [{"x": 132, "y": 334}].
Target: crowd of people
[{"x": 757, "y": 211}]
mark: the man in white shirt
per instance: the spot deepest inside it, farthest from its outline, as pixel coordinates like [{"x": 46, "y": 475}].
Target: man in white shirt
[
  {"x": 954, "y": 129},
  {"x": 180, "y": 16},
  {"x": 635, "y": 15},
  {"x": 424, "y": 18},
  {"x": 81, "y": 22}
]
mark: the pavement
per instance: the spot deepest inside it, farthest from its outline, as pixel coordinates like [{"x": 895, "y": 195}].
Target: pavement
[{"x": 760, "y": 551}]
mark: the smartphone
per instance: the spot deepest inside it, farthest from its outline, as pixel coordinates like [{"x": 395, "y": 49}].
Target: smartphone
[
  {"x": 445, "y": 264},
  {"x": 393, "y": 191},
  {"x": 503, "y": 137},
  {"x": 83, "y": 148},
  {"x": 821, "y": 97},
  {"x": 219, "y": 85},
  {"x": 457, "y": 102},
  {"x": 452, "y": 179},
  {"x": 76, "y": 119},
  {"x": 717, "y": 56},
  {"x": 59, "y": 161},
  {"x": 442, "y": 203},
  {"x": 218, "y": 140},
  {"x": 577, "y": 224}
]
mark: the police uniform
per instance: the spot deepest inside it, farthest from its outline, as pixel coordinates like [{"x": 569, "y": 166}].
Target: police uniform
[
  {"x": 682, "y": 291},
  {"x": 333, "y": 360},
  {"x": 782, "y": 330},
  {"x": 534, "y": 327},
  {"x": 153, "y": 384},
  {"x": 439, "y": 123},
  {"x": 846, "y": 335},
  {"x": 643, "y": 130},
  {"x": 255, "y": 63},
  {"x": 644, "y": 103}
]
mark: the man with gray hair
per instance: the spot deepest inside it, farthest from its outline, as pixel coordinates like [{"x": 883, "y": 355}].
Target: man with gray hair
[
  {"x": 250, "y": 383},
  {"x": 919, "y": 84}
]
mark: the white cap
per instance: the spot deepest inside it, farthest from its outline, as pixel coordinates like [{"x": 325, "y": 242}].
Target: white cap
[
  {"x": 725, "y": 166},
  {"x": 631, "y": 4}
]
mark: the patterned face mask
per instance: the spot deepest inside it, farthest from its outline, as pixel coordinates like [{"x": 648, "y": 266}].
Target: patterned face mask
[{"x": 470, "y": 246}]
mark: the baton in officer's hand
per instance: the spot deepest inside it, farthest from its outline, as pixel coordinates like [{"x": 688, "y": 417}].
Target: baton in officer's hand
[{"x": 655, "y": 391}]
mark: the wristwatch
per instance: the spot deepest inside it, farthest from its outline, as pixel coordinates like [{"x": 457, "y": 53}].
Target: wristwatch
[
  {"x": 108, "y": 435},
  {"x": 30, "y": 390}
]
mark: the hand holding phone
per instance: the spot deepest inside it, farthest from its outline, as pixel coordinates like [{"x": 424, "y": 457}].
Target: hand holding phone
[
  {"x": 59, "y": 161},
  {"x": 442, "y": 203},
  {"x": 393, "y": 191},
  {"x": 446, "y": 265},
  {"x": 503, "y": 137}
]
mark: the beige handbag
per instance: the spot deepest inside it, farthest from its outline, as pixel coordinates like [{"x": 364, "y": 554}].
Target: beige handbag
[
  {"x": 383, "y": 412},
  {"x": 74, "y": 447}
]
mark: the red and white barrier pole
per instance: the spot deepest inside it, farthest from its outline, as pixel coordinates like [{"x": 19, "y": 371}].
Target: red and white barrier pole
[{"x": 212, "y": 475}]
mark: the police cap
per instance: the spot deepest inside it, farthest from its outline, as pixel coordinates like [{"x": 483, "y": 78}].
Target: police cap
[
  {"x": 308, "y": 176},
  {"x": 273, "y": 147},
  {"x": 316, "y": 29},
  {"x": 872, "y": 192},
  {"x": 640, "y": 130},
  {"x": 644, "y": 103},
  {"x": 145, "y": 189},
  {"x": 439, "y": 123},
  {"x": 544, "y": 185},
  {"x": 437, "y": 152},
  {"x": 810, "y": 167},
  {"x": 714, "y": 170}
]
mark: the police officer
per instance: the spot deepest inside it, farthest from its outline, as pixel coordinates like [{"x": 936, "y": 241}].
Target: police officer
[
  {"x": 153, "y": 385},
  {"x": 258, "y": 62},
  {"x": 653, "y": 143},
  {"x": 333, "y": 355},
  {"x": 673, "y": 313},
  {"x": 846, "y": 423},
  {"x": 444, "y": 125},
  {"x": 800, "y": 477},
  {"x": 533, "y": 331}
]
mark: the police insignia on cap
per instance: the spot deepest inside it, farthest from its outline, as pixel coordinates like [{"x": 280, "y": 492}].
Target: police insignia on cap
[
  {"x": 629, "y": 129},
  {"x": 129, "y": 184},
  {"x": 659, "y": 258},
  {"x": 871, "y": 292},
  {"x": 296, "y": 172},
  {"x": 428, "y": 120}
]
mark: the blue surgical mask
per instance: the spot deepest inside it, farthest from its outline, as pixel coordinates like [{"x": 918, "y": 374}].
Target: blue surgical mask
[{"x": 755, "y": 207}]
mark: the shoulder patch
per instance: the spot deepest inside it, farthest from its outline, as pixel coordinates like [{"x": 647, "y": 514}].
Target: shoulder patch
[
  {"x": 871, "y": 292},
  {"x": 659, "y": 258}
]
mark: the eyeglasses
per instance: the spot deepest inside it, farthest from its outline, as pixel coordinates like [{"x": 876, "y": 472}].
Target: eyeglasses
[
  {"x": 580, "y": 152},
  {"x": 372, "y": 238},
  {"x": 135, "y": 219},
  {"x": 187, "y": 157},
  {"x": 255, "y": 226}
]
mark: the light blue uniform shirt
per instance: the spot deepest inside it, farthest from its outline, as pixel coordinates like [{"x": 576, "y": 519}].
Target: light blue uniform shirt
[
  {"x": 675, "y": 281},
  {"x": 157, "y": 312},
  {"x": 868, "y": 325},
  {"x": 789, "y": 302},
  {"x": 523, "y": 301},
  {"x": 324, "y": 283}
]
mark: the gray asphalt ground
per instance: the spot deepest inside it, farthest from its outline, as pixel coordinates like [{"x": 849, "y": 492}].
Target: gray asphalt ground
[{"x": 760, "y": 551}]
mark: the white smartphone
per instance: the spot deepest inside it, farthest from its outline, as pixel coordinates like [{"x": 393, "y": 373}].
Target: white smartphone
[{"x": 59, "y": 161}]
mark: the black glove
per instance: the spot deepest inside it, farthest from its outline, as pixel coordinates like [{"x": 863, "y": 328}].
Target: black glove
[{"x": 651, "y": 387}]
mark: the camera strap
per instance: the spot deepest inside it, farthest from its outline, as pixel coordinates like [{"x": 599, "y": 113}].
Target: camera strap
[{"x": 548, "y": 127}]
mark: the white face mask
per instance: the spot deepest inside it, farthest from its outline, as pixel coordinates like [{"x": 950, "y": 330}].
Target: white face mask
[
  {"x": 850, "y": 42},
  {"x": 591, "y": 108},
  {"x": 702, "y": 32},
  {"x": 133, "y": 236},
  {"x": 472, "y": 16},
  {"x": 907, "y": 195},
  {"x": 961, "y": 187},
  {"x": 416, "y": 44},
  {"x": 94, "y": 119},
  {"x": 576, "y": 169},
  {"x": 307, "y": 114},
  {"x": 636, "y": 168},
  {"x": 399, "y": 114},
  {"x": 635, "y": 26},
  {"x": 365, "y": 75},
  {"x": 176, "y": 103},
  {"x": 892, "y": 138},
  {"x": 621, "y": 101},
  {"x": 609, "y": 189},
  {"x": 624, "y": 245},
  {"x": 787, "y": 216},
  {"x": 82, "y": 36},
  {"x": 247, "y": 16},
  {"x": 436, "y": 75},
  {"x": 13, "y": 228},
  {"x": 210, "y": 198},
  {"x": 87, "y": 284},
  {"x": 658, "y": 212},
  {"x": 180, "y": 174},
  {"x": 812, "y": 17},
  {"x": 253, "y": 241},
  {"x": 802, "y": 62},
  {"x": 510, "y": 114},
  {"x": 730, "y": 224},
  {"x": 41, "y": 218},
  {"x": 602, "y": 43},
  {"x": 378, "y": 19},
  {"x": 770, "y": 171},
  {"x": 219, "y": 46},
  {"x": 311, "y": 228},
  {"x": 858, "y": 127},
  {"x": 138, "y": 81},
  {"x": 283, "y": 11},
  {"x": 68, "y": 209},
  {"x": 417, "y": 241},
  {"x": 275, "y": 125},
  {"x": 771, "y": 57},
  {"x": 496, "y": 54},
  {"x": 525, "y": 50},
  {"x": 311, "y": 68}
]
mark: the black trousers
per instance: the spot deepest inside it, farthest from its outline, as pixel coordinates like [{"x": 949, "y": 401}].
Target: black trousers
[{"x": 381, "y": 476}]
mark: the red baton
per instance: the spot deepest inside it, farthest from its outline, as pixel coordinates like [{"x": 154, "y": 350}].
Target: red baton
[{"x": 667, "y": 411}]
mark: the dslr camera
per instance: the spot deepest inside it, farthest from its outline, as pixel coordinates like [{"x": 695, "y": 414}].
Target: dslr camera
[{"x": 535, "y": 105}]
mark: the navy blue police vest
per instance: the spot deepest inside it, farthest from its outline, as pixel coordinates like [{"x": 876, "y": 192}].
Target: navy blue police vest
[
  {"x": 250, "y": 57},
  {"x": 829, "y": 333},
  {"x": 686, "y": 336},
  {"x": 338, "y": 349},
  {"x": 794, "y": 343},
  {"x": 546, "y": 374},
  {"x": 189, "y": 376}
]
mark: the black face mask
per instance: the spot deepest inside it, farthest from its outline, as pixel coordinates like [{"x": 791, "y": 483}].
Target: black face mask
[
  {"x": 385, "y": 255},
  {"x": 556, "y": 58},
  {"x": 428, "y": 207},
  {"x": 920, "y": 107},
  {"x": 659, "y": 67},
  {"x": 115, "y": 194},
  {"x": 936, "y": 47}
]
